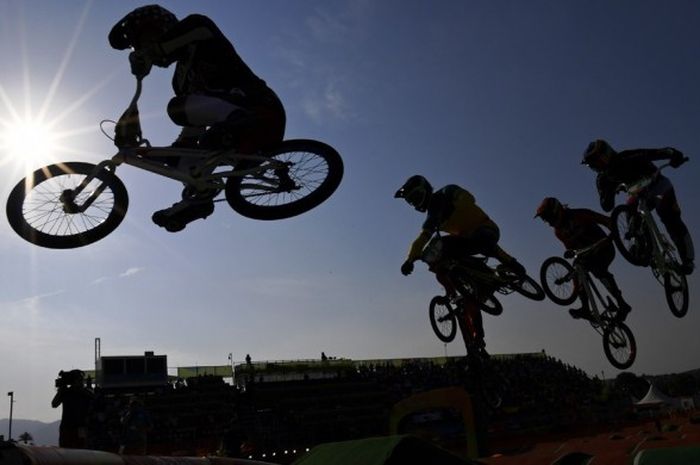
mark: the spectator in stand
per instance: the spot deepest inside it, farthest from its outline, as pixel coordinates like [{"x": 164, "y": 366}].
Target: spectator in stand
[{"x": 77, "y": 402}]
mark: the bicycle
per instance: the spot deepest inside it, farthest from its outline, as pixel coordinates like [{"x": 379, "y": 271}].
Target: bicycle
[
  {"x": 563, "y": 283},
  {"x": 74, "y": 204},
  {"x": 641, "y": 242},
  {"x": 472, "y": 277},
  {"x": 475, "y": 283}
]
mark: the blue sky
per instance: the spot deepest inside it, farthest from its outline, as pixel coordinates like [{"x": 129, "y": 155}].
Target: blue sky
[{"x": 500, "y": 97}]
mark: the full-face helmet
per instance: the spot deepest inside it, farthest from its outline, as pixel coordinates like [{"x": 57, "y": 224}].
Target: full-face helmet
[
  {"x": 597, "y": 154},
  {"x": 151, "y": 19},
  {"x": 416, "y": 191},
  {"x": 550, "y": 210}
]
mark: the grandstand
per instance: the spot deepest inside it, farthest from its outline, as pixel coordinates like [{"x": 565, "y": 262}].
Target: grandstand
[{"x": 281, "y": 408}]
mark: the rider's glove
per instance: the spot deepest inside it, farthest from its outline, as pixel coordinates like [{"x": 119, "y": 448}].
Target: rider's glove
[
  {"x": 569, "y": 253},
  {"x": 140, "y": 63},
  {"x": 407, "y": 268},
  {"x": 677, "y": 158}
]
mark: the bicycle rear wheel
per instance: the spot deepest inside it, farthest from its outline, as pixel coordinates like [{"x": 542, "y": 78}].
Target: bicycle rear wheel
[
  {"x": 619, "y": 345},
  {"x": 491, "y": 305},
  {"x": 557, "y": 278},
  {"x": 36, "y": 212},
  {"x": 676, "y": 290},
  {"x": 314, "y": 173},
  {"x": 442, "y": 318},
  {"x": 527, "y": 287},
  {"x": 633, "y": 243}
]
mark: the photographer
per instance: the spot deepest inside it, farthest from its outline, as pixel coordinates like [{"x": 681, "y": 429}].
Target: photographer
[{"x": 77, "y": 401}]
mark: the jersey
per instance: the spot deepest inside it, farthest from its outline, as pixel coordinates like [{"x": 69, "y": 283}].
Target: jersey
[
  {"x": 452, "y": 210},
  {"x": 580, "y": 227},
  {"x": 627, "y": 167},
  {"x": 207, "y": 62}
]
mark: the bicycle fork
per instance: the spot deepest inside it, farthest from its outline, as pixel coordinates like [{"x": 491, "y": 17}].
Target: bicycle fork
[{"x": 68, "y": 196}]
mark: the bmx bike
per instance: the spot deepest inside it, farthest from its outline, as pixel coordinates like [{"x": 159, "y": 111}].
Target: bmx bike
[
  {"x": 72, "y": 204},
  {"x": 563, "y": 283},
  {"x": 472, "y": 277},
  {"x": 641, "y": 242},
  {"x": 475, "y": 284}
]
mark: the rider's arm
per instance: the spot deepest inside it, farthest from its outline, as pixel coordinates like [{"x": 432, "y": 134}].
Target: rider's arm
[
  {"x": 193, "y": 28},
  {"x": 606, "y": 191},
  {"x": 593, "y": 216},
  {"x": 666, "y": 153},
  {"x": 418, "y": 245}
]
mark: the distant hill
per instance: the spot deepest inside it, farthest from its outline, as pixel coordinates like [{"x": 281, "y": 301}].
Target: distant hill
[{"x": 44, "y": 434}]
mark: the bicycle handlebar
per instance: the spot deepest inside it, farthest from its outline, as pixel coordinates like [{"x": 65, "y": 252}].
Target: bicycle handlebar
[
  {"x": 575, "y": 253},
  {"x": 623, "y": 187}
]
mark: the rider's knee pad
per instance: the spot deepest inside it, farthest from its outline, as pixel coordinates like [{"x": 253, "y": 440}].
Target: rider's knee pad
[{"x": 176, "y": 111}]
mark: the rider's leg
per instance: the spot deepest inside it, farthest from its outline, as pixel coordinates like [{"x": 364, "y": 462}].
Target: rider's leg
[
  {"x": 486, "y": 239},
  {"x": 189, "y": 137},
  {"x": 584, "y": 310},
  {"x": 670, "y": 213},
  {"x": 472, "y": 312},
  {"x": 508, "y": 260},
  {"x": 442, "y": 278},
  {"x": 598, "y": 265}
]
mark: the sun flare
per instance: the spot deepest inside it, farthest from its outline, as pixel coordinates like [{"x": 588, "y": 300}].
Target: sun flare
[{"x": 28, "y": 140}]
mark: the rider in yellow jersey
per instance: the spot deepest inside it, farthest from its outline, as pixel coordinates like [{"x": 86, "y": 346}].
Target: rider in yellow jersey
[
  {"x": 469, "y": 229},
  {"x": 452, "y": 210}
]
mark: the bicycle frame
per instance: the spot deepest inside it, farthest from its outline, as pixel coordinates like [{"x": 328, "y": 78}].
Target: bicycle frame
[
  {"x": 201, "y": 176},
  {"x": 595, "y": 298},
  {"x": 662, "y": 250},
  {"x": 432, "y": 256}
]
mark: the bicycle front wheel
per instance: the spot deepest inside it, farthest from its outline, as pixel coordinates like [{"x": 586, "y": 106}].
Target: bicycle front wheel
[
  {"x": 442, "y": 318},
  {"x": 36, "y": 211},
  {"x": 676, "y": 289},
  {"x": 313, "y": 173},
  {"x": 619, "y": 345},
  {"x": 557, "y": 278},
  {"x": 633, "y": 243}
]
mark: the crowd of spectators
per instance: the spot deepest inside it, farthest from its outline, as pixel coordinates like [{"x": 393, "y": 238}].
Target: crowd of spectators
[{"x": 203, "y": 414}]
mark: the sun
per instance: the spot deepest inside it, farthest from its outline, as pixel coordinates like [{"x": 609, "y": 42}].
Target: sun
[{"x": 28, "y": 140}]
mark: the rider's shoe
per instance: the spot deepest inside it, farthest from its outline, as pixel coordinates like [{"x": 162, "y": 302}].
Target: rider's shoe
[
  {"x": 175, "y": 218},
  {"x": 687, "y": 267},
  {"x": 515, "y": 267},
  {"x": 482, "y": 349},
  {"x": 578, "y": 313}
]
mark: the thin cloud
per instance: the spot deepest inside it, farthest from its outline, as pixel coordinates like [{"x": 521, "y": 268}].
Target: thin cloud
[
  {"x": 330, "y": 104},
  {"x": 131, "y": 271},
  {"x": 36, "y": 298}
]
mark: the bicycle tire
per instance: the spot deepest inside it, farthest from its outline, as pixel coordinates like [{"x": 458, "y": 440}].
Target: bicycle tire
[
  {"x": 619, "y": 340},
  {"x": 528, "y": 287},
  {"x": 35, "y": 211},
  {"x": 552, "y": 270},
  {"x": 676, "y": 290},
  {"x": 491, "y": 305},
  {"x": 635, "y": 249},
  {"x": 442, "y": 318},
  {"x": 315, "y": 168}
]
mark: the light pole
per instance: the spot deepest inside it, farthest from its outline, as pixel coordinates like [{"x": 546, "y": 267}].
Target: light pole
[
  {"x": 233, "y": 373},
  {"x": 11, "y": 394}
]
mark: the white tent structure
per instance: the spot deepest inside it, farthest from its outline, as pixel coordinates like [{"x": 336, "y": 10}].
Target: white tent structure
[{"x": 657, "y": 399}]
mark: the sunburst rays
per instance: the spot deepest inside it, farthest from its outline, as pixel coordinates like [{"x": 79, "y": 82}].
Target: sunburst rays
[{"x": 31, "y": 137}]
